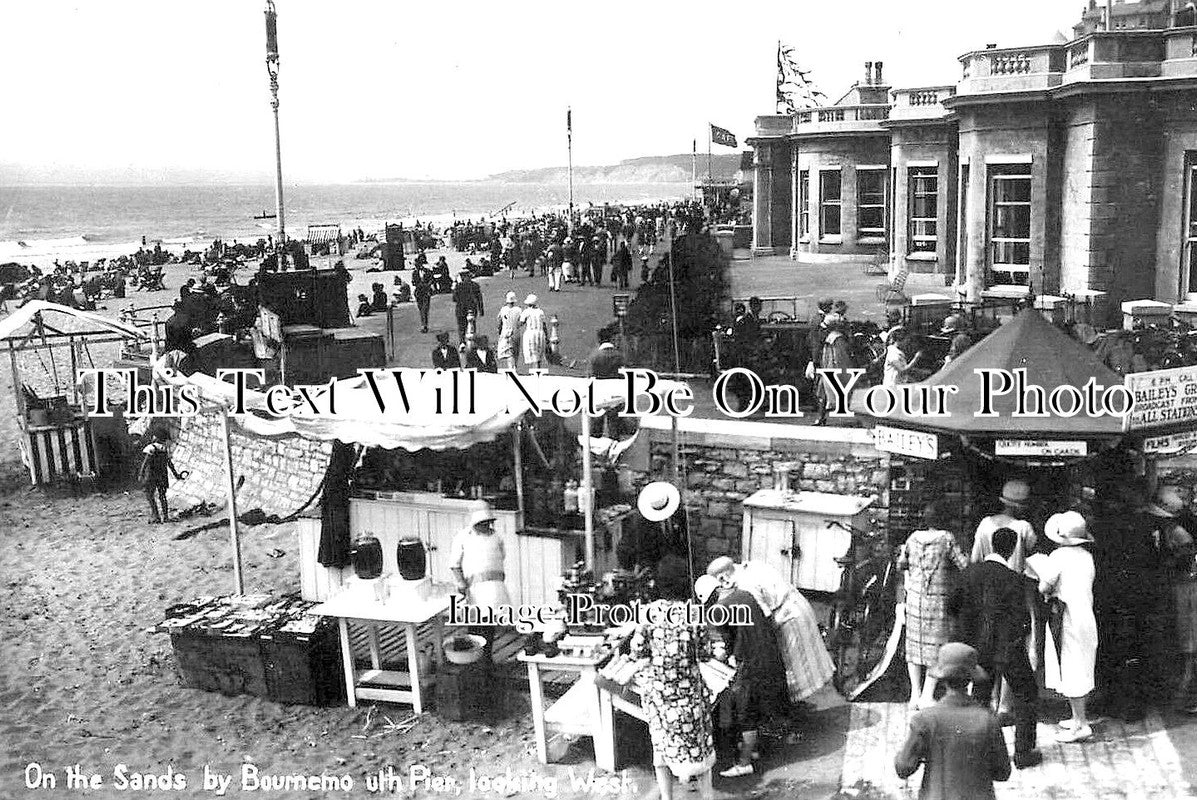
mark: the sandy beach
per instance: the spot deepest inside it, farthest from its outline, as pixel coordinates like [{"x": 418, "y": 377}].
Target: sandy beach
[{"x": 85, "y": 681}]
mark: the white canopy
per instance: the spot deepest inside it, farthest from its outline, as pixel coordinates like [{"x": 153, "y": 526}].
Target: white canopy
[
  {"x": 431, "y": 418},
  {"x": 14, "y": 323}
]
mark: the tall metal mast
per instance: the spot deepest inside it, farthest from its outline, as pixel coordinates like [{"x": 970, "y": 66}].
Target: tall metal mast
[{"x": 272, "y": 62}]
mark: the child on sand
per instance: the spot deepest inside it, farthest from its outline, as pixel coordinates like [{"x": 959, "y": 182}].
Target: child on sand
[{"x": 154, "y": 473}]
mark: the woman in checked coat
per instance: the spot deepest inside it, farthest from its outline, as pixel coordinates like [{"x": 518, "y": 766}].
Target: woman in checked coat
[
  {"x": 930, "y": 558},
  {"x": 535, "y": 337}
]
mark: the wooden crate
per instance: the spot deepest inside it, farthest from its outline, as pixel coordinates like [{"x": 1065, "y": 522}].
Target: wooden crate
[
  {"x": 227, "y": 664},
  {"x": 304, "y": 669}
]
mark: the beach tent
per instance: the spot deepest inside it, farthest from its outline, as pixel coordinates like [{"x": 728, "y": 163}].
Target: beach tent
[
  {"x": 56, "y": 436},
  {"x": 1050, "y": 357}
]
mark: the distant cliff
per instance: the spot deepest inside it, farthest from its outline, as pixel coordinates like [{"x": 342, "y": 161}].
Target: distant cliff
[{"x": 647, "y": 169}]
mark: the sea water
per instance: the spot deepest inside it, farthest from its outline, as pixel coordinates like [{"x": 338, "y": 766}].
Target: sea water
[{"x": 38, "y": 223}]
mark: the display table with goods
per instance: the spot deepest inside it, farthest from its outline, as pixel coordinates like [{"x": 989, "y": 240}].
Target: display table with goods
[
  {"x": 255, "y": 644},
  {"x": 371, "y": 604},
  {"x": 579, "y": 711}
]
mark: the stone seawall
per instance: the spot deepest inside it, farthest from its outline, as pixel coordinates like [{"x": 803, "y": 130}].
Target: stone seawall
[
  {"x": 281, "y": 474},
  {"x": 726, "y": 461}
]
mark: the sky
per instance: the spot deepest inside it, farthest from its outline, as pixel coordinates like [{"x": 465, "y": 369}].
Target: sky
[{"x": 376, "y": 89}]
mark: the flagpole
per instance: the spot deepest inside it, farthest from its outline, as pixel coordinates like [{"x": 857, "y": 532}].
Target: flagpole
[
  {"x": 569, "y": 136},
  {"x": 272, "y": 63},
  {"x": 694, "y": 169},
  {"x": 708, "y": 152}
]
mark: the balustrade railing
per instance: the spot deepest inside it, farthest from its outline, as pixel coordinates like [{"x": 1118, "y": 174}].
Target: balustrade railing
[{"x": 1010, "y": 64}]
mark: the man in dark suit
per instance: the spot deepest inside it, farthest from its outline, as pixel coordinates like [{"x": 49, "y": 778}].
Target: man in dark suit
[
  {"x": 958, "y": 743},
  {"x": 605, "y": 360},
  {"x": 481, "y": 357},
  {"x": 990, "y": 607},
  {"x": 444, "y": 356},
  {"x": 467, "y": 296},
  {"x": 421, "y": 286}
]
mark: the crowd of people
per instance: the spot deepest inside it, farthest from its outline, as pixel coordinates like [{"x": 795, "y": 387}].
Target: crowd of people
[{"x": 1019, "y": 602}]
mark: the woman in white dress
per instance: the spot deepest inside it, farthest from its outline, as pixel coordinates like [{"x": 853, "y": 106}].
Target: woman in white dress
[
  {"x": 1067, "y": 575},
  {"x": 509, "y": 324},
  {"x": 536, "y": 336}
]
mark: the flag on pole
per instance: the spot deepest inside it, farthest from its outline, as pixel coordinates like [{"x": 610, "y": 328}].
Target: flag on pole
[
  {"x": 569, "y": 120},
  {"x": 795, "y": 90},
  {"x": 723, "y": 136},
  {"x": 696, "y": 146}
]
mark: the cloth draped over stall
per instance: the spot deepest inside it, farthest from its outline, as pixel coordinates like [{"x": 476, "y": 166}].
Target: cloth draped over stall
[
  {"x": 449, "y": 410},
  {"x": 428, "y": 420}
]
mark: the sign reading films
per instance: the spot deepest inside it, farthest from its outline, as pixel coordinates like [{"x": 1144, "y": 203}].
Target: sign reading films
[{"x": 1162, "y": 398}]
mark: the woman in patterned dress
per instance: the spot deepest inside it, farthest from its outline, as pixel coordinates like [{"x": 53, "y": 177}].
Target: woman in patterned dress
[
  {"x": 929, "y": 558},
  {"x": 535, "y": 337},
  {"x": 674, "y": 695},
  {"x": 509, "y": 324}
]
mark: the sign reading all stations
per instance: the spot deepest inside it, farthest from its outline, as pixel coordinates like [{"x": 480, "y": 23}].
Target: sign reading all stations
[
  {"x": 1162, "y": 397},
  {"x": 906, "y": 443},
  {"x": 1170, "y": 445},
  {"x": 1036, "y": 447},
  {"x": 619, "y": 304}
]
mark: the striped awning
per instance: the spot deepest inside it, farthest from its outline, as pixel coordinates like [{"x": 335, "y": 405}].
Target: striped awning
[{"x": 322, "y": 234}]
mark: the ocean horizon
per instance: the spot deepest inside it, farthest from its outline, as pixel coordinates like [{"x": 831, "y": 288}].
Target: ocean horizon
[{"x": 40, "y": 221}]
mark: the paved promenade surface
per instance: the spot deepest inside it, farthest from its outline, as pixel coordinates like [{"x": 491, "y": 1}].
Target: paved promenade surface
[{"x": 1123, "y": 761}]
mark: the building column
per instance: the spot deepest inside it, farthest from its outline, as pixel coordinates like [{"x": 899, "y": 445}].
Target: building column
[
  {"x": 976, "y": 218},
  {"x": 795, "y": 211},
  {"x": 762, "y": 199}
]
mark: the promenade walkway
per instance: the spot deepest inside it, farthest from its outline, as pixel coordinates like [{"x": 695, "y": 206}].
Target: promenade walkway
[{"x": 1123, "y": 761}]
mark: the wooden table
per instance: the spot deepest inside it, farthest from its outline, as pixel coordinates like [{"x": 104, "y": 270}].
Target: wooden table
[
  {"x": 580, "y": 711},
  {"x": 379, "y": 684}
]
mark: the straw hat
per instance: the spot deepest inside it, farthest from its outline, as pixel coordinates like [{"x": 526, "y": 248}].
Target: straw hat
[
  {"x": 704, "y": 587},
  {"x": 531, "y": 300},
  {"x": 510, "y": 297},
  {"x": 1168, "y": 503},
  {"x": 480, "y": 511},
  {"x": 957, "y": 660},
  {"x": 1016, "y": 493},
  {"x": 720, "y": 565},
  {"x": 658, "y": 501},
  {"x": 1068, "y": 529}
]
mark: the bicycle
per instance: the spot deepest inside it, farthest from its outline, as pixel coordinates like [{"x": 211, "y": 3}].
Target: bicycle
[{"x": 863, "y": 609}]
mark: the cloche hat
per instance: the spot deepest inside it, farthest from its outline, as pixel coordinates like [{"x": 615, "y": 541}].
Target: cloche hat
[{"x": 1068, "y": 529}]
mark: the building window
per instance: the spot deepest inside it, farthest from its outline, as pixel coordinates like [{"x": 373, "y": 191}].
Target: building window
[
  {"x": 1010, "y": 224},
  {"x": 870, "y": 203},
  {"x": 1189, "y": 246},
  {"x": 804, "y": 204},
  {"x": 924, "y": 209},
  {"x": 829, "y": 203}
]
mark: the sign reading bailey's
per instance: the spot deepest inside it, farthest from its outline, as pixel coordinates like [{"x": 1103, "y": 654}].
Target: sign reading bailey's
[{"x": 1162, "y": 397}]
